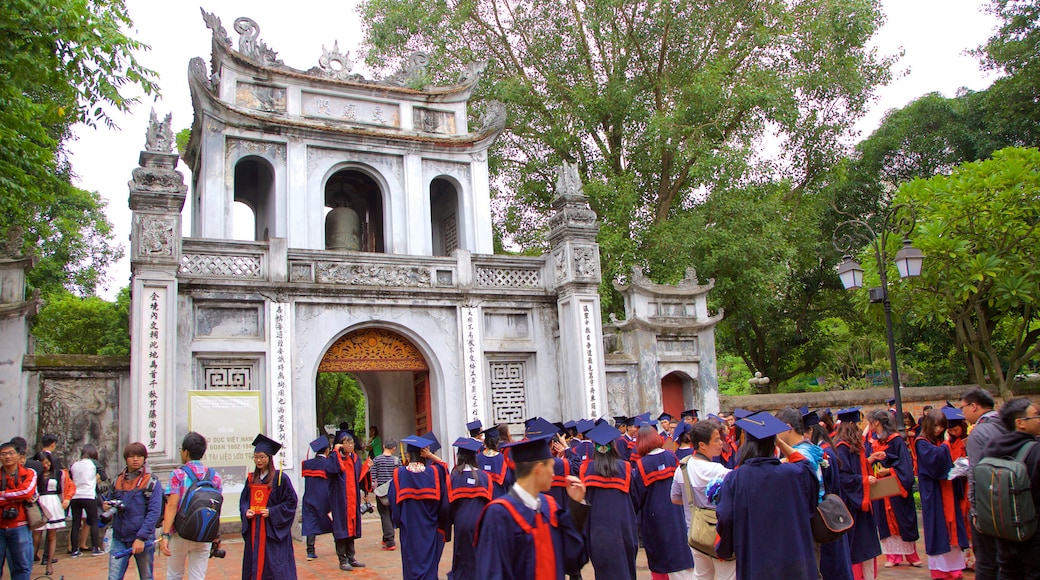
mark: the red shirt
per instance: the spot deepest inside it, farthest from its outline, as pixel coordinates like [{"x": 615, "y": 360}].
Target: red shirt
[{"x": 18, "y": 488}]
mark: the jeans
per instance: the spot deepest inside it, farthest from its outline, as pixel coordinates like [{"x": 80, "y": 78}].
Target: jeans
[
  {"x": 117, "y": 566},
  {"x": 16, "y": 549},
  {"x": 388, "y": 525}
]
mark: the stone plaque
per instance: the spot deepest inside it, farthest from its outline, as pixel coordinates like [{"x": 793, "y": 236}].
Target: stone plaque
[
  {"x": 507, "y": 325},
  {"x": 684, "y": 347},
  {"x": 433, "y": 121},
  {"x": 352, "y": 110},
  {"x": 260, "y": 97},
  {"x": 227, "y": 322}
]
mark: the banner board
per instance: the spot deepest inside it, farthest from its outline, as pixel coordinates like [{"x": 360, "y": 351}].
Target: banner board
[{"x": 229, "y": 420}]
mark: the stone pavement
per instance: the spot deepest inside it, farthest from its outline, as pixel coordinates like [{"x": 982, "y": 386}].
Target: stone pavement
[{"x": 380, "y": 564}]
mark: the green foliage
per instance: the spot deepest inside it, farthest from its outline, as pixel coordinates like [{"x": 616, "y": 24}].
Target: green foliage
[
  {"x": 182, "y": 138},
  {"x": 1014, "y": 50},
  {"x": 62, "y": 62},
  {"x": 339, "y": 399},
  {"x": 733, "y": 375},
  {"x": 69, "y": 324},
  {"x": 978, "y": 230}
]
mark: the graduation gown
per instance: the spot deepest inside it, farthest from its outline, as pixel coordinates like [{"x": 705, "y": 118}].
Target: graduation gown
[
  {"x": 344, "y": 473},
  {"x": 496, "y": 468},
  {"x": 626, "y": 447},
  {"x": 943, "y": 520},
  {"x": 469, "y": 492},
  {"x": 610, "y": 528},
  {"x": 683, "y": 452},
  {"x": 835, "y": 558},
  {"x": 896, "y": 514},
  {"x": 660, "y": 521},
  {"x": 764, "y": 513},
  {"x": 268, "y": 552},
  {"x": 515, "y": 542},
  {"x": 863, "y": 537},
  {"x": 315, "y": 514},
  {"x": 419, "y": 508}
]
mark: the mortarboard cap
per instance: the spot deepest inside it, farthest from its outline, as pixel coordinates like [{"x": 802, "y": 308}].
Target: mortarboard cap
[
  {"x": 435, "y": 445},
  {"x": 762, "y": 425},
  {"x": 319, "y": 444},
  {"x": 532, "y": 449},
  {"x": 642, "y": 421},
  {"x": 742, "y": 413},
  {"x": 953, "y": 414},
  {"x": 264, "y": 444},
  {"x": 619, "y": 420},
  {"x": 341, "y": 433},
  {"x": 585, "y": 425},
  {"x": 809, "y": 418},
  {"x": 630, "y": 421},
  {"x": 890, "y": 400},
  {"x": 416, "y": 442},
  {"x": 492, "y": 433},
  {"x": 715, "y": 417},
  {"x": 538, "y": 427},
  {"x": 664, "y": 417},
  {"x": 468, "y": 444},
  {"x": 683, "y": 427},
  {"x": 474, "y": 427},
  {"x": 851, "y": 414},
  {"x": 560, "y": 428},
  {"x": 824, "y": 412},
  {"x": 570, "y": 425},
  {"x": 603, "y": 434}
]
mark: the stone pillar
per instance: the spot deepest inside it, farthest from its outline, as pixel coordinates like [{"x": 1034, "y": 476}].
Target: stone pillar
[
  {"x": 576, "y": 276},
  {"x": 15, "y": 312},
  {"x": 157, "y": 194}
]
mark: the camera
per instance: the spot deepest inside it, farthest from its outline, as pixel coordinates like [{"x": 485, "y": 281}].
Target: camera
[
  {"x": 114, "y": 507},
  {"x": 367, "y": 508},
  {"x": 215, "y": 551},
  {"x": 9, "y": 513}
]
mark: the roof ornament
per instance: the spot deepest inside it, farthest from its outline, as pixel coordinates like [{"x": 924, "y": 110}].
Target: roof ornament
[
  {"x": 337, "y": 65},
  {"x": 471, "y": 74},
  {"x": 411, "y": 71},
  {"x": 250, "y": 45},
  {"x": 568, "y": 181},
  {"x": 159, "y": 136},
  {"x": 213, "y": 23},
  {"x": 494, "y": 117}
]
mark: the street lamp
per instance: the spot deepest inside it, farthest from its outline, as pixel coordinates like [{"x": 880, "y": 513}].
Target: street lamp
[{"x": 851, "y": 235}]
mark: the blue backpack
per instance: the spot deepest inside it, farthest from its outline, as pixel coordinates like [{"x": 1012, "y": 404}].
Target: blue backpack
[{"x": 198, "y": 511}]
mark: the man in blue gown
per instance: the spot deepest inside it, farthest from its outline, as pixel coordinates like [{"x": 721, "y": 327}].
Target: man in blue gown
[{"x": 316, "y": 514}]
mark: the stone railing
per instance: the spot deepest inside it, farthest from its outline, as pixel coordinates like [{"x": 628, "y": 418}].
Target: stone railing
[
  {"x": 509, "y": 272},
  {"x": 367, "y": 269},
  {"x": 223, "y": 259}
]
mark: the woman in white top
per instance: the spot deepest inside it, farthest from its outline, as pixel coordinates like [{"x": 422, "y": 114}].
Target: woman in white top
[
  {"x": 85, "y": 475},
  {"x": 705, "y": 438}
]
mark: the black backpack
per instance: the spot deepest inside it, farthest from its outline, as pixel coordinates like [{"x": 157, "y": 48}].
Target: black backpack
[
  {"x": 198, "y": 511},
  {"x": 1004, "y": 498}
]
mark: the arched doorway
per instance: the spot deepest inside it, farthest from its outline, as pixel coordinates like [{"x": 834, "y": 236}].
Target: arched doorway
[
  {"x": 392, "y": 374},
  {"x": 672, "y": 388}
]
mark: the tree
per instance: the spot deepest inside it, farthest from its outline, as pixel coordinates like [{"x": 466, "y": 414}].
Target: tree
[
  {"x": 62, "y": 62},
  {"x": 339, "y": 399},
  {"x": 70, "y": 324},
  {"x": 978, "y": 230},
  {"x": 658, "y": 103},
  {"x": 1015, "y": 50}
]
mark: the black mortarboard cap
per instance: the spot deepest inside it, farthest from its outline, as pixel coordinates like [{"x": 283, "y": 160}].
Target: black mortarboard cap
[
  {"x": 538, "y": 427},
  {"x": 664, "y": 417},
  {"x": 891, "y": 400},
  {"x": 762, "y": 425},
  {"x": 809, "y": 418},
  {"x": 851, "y": 414},
  {"x": 602, "y": 434},
  {"x": 474, "y": 427},
  {"x": 690, "y": 413},
  {"x": 468, "y": 444},
  {"x": 492, "y": 433},
  {"x": 264, "y": 444},
  {"x": 532, "y": 449},
  {"x": 320, "y": 443},
  {"x": 619, "y": 420},
  {"x": 560, "y": 428}
]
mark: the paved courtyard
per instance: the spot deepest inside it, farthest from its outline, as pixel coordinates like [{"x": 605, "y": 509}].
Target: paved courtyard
[{"x": 380, "y": 564}]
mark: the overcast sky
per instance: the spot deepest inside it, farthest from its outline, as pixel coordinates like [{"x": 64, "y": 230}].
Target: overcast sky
[{"x": 934, "y": 35}]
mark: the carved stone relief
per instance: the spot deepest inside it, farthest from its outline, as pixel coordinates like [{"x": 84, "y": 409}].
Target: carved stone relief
[
  {"x": 260, "y": 97},
  {"x": 391, "y": 165},
  {"x": 159, "y": 136},
  {"x": 276, "y": 150},
  {"x": 354, "y": 110},
  {"x": 156, "y": 236},
  {"x": 82, "y": 410},
  {"x": 250, "y": 45},
  {"x": 364, "y": 275},
  {"x": 372, "y": 349},
  {"x": 433, "y": 121},
  {"x": 586, "y": 265}
]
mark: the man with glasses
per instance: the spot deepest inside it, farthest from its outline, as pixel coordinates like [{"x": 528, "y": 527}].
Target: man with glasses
[
  {"x": 977, "y": 406},
  {"x": 343, "y": 467},
  {"x": 1021, "y": 418},
  {"x": 17, "y": 486}
]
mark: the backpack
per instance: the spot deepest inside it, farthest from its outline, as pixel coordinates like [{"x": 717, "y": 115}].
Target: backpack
[
  {"x": 198, "y": 511},
  {"x": 1003, "y": 498},
  {"x": 148, "y": 491}
]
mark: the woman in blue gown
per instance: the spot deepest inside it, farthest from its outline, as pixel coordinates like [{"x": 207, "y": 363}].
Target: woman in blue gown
[
  {"x": 856, "y": 478},
  {"x": 419, "y": 508},
  {"x": 895, "y": 516},
  {"x": 469, "y": 492},
  {"x": 267, "y": 507},
  {"x": 945, "y": 536},
  {"x": 661, "y": 522},
  {"x": 610, "y": 529}
]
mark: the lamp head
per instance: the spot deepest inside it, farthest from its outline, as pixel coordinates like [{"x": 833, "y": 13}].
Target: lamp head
[
  {"x": 851, "y": 273},
  {"x": 909, "y": 260}
]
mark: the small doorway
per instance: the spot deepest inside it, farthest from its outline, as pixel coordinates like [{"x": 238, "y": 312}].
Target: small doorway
[
  {"x": 392, "y": 378},
  {"x": 672, "y": 394}
]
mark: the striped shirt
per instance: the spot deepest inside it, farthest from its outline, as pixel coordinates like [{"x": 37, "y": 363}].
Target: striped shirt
[{"x": 383, "y": 467}]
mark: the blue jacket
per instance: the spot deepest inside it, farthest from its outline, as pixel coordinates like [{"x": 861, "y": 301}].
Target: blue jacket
[{"x": 140, "y": 515}]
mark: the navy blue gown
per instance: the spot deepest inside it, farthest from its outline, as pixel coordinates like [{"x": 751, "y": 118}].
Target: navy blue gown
[
  {"x": 497, "y": 469},
  {"x": 344, "y": 494},
  {"x": 683, "y": 452},
  {"x": 514, "y": 541},
  {"x": 835, "y": 558},
  {"x": 764, "y": 513},
  {"x": 863, "y": 537},
  {"x": 316, "y": 518},
  {"x": 419, "y": 508},
  {"x": 469, "y": 492},
  {"x": 939, "y": 507},
  {"x": 268, "y": 552},
  {"x": 661, "y": 522},
  {"x": 610, "y": 529},
  {"x": 901, "y": 507}
]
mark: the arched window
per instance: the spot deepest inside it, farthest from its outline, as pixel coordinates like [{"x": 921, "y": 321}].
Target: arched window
[
  {"x": 444, "y": 217},
  {"x": 360, "y": 193},
  {"x": 254, "y": 187}
]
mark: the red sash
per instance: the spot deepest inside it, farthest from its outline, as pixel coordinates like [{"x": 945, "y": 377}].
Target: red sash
[
  {"x": 259, "y": 493},
  {"x": 468, "y": 492},
  {"x": 620, "y": 483},
  {"x": 561, "y": 480},
  {"x": 656, "y": 475},
  {"x": 541, "y": 535},
  {"x": 404, "y": 493},
  {"x": 864, "y": 473},
  {"x": 346, "y": 465}
]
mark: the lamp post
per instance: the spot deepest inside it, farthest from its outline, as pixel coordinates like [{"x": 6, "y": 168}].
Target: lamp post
[
  {"x": 851, "y": 235},
  {"x": 759, "y": 382}
]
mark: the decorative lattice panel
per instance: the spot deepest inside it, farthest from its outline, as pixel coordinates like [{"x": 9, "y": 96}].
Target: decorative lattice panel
[
  {"x": 228, "y": 378},
  {"x": 508, "y": 394},
  {"x": 222, "y": 266},
  {"x": 508, "y": 278}
]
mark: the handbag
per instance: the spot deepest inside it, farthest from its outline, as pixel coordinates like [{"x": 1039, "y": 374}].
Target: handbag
[
  {"x": 887, "y": 486},
  {"x": 831, "y": 519},
  {"x": 381, "y": 492},
  {"x": 34, "y": 513},
  {"x": 703, "y": 521}
]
